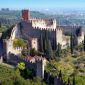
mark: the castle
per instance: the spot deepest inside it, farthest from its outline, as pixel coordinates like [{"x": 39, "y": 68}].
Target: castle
[{"x": 31, "y": 28}]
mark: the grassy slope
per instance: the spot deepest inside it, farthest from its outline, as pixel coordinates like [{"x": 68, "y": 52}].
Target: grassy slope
[{"x": 6, "y": 72}]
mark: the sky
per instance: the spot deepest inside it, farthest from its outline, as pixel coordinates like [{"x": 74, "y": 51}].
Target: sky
[{"x": 42, "y": 4}]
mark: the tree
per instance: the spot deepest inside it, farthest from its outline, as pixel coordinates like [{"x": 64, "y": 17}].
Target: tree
[
  {"x": 33, "y": 52},
  {"x": 68, "y": 81},
  {"x": 60, "y": 74},
  {"x": 38, "y": 81},
  {"x": 20, "y": 81},
  {"x": 49, "y": 51},
  {"x": 46, "y": 41},
  {"x": 25, "y": 52},
  {"x": 6, "y": 82},
  {"x": 75, "y": 41},
  {"x": 7, "y": 33},
  {"x": 74, "y": 83},
  {"x": 71, "y": 44},
  {"x": 29, "y": 73},
  {"x": 0, "y": 25},
  {"x": 54, "y": 44},
  {"x": 41, "y": 44},
  {"x": 58, "y": 53},
  {"x": 21, "y": 66},
  {"x": 84, "y": 43},
  {"x": 47, "y": 46},
  {"x": 19, "y": 43}
]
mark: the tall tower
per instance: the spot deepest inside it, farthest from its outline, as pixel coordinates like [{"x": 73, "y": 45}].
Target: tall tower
[
  {"x": 59, "y": 35},
  {"x": 25, "y": 15},
  {"x": 40, "y": 67},
  {"x": 54, "y": 24}
]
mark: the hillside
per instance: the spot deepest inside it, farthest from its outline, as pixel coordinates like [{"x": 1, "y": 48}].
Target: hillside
[{"x": 12, "y": 17}]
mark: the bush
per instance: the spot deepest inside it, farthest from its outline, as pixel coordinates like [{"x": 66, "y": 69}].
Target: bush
[
  {"x": 33, "y": 52},
  {"x": 19, "y": 43}
]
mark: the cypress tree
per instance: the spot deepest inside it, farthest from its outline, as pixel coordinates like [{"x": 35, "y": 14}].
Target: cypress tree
[
  {"x": 0, "y": 25},
  {"x": 47, "y": 46},
  {"x": 68, "y": 81},
  {"x": 45, "y": 41},
  {"x": 71, "y": 43},
  {"x": 54, "y": 44},
  {"x": 49, "y": 50},
  {"x": 75, "y": 41},
  {"x": 60, "y": 75},
  {"x": 84, "y": 43},
  {"x": 58, "y": 50},
  {"x": 41, "y": 43},
  {"x": 74, "y": 83}
]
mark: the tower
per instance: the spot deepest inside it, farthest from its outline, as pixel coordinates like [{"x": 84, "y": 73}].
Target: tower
[
  {"x": 34, "y": 43},
  {"x": 25, "y": 15},
  {"x": 54, "y": 24},
  {"x": 59, "y": 35},
  {"x": 40, "y": 67}
]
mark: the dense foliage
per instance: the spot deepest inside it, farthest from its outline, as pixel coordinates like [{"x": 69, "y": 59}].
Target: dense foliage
[
  {"x": 19, "y": 43},
  {"x": 10, "y": 76},
  {"x": 69, "y": 64}
]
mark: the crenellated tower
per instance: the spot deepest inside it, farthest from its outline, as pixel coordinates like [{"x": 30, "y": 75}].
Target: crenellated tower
[
  {"x": 59, "y": 35},
  {"x": 25, "y": 15}
]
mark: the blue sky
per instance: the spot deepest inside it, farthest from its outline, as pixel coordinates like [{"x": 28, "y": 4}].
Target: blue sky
[{"x": 42, "y": 4}]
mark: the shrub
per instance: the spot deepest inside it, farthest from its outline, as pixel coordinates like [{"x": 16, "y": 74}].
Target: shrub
[{"x": 19, "y": 43}]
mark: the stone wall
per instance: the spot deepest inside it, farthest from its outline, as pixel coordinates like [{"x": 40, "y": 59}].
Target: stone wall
[
  {"x": 1, "y": 59},
  {"x": 11, "y": 50},
  {"x": 38, "y": 66},
  {"x": 34, "y": 43},
  {"x": 44, "y": 24},
  {"x": 28, "y": 32}
]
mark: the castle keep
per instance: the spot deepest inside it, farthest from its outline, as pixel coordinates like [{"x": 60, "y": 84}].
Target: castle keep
[{"x": 31, "y": 28}]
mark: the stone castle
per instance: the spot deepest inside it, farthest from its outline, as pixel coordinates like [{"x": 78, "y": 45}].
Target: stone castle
[{"x": 31, "y": 28}]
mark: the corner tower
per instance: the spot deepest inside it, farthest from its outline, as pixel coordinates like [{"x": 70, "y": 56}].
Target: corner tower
[
  {"x": 59, "y": 35},
  {"x": 25, "y": 15}
]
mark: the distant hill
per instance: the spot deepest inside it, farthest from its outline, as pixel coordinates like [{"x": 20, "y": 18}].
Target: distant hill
[
  {"x": 38, "y": 14},
  {"x": 12, "y": 16}
]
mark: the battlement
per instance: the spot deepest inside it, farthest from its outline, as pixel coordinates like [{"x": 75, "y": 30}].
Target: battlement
[
  {"x": 18, "y": 48},
  {"x": 39, "y": 23},
  {"x": 34, "y": 59},
  {"x": 43, "y": 24},
  {"x": 44, "y": 28}
]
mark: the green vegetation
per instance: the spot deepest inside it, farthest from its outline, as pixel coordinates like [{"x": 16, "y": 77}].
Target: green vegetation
[
  {"x": 41, "y": 44},
  {"x": 33, "y": 52},
  {"x": 19, "y": 43},
  {"x": 49, "y": 50},
  {"x": 69, "y": 65},
  {"x": 70, "y": 62},
  {"x": 84, "y": 43},
  {"x": 24, "y": 71},
  {"x": 6, "y": 73},
  {"x": 2, "y": 29},
  {"x": 21, "y": 66},
  {"x": 58, "y": 52},
  {"x": 71, "y": 44},
  {"x": 7, "y": 32},
  {"x": 10, "y": 76}
]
